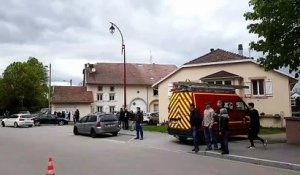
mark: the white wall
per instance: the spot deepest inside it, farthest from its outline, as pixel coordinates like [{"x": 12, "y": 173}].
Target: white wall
[
  {"x": 135, "y": 93},
  {"x": 84, "y": 109}
]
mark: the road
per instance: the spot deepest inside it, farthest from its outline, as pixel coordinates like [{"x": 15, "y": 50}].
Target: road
[{"x": 26, "y": 151}]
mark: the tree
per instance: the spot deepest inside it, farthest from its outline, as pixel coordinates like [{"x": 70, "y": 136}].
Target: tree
[
  {"x": 277, "y": 23},
  {"x": 24, "y": 85}
]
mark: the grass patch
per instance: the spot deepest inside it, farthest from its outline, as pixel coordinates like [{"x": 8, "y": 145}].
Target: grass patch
[
  {"x": 153, "y": 128},
  {"x": 266, "y": 131}
]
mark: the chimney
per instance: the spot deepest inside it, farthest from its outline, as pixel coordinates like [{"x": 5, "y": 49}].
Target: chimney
[
  {"x": 212, "y": 49},
  {"x": 240, "y": 48}
]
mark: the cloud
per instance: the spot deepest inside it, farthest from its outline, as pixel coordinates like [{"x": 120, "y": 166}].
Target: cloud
[{"x": 70, "y": 33}]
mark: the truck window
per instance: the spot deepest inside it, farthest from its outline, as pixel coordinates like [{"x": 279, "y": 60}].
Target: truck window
[
  {"x": 228, "y": 105},
  {"x": 241, "y": 106}
]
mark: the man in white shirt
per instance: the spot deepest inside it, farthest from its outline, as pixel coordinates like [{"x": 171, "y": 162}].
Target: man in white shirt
[{"x": 208, "y": 121}]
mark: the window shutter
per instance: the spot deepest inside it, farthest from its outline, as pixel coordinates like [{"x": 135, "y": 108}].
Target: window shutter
[
  {"x": 269, "y": 88},
  {"x": 170, "y": 86},
  {"x": 247, "y": 91}
]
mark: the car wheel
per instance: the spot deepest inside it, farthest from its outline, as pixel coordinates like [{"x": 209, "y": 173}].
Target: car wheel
[
  {"x": 15, "y": 124},
  {"x": 93, "y": 134},
  {"x": 61, "y": 123},
  {"x": 37, "y": 123},
  {"x": 3, "y": 124},
  {"x": 75, "y": 131},
  {"x": 114, "y": 133}
]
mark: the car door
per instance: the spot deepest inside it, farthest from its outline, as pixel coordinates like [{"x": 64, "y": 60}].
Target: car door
[
  {"x": 81, "y": 123},
  {"x": 12, "y": 119},
  {"x": 91, "y": 122},
  {"x": 43, "y": 119},
  {"x": 52, "y": 119},
  {"x": 7, "y": 121}
]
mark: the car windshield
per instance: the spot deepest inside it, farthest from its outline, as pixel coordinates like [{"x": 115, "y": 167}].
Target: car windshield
[{"x": 108, "y": 118}]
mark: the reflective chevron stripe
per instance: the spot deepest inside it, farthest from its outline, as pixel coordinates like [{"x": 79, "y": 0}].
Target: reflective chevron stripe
[{"x": 179, "y": 110}]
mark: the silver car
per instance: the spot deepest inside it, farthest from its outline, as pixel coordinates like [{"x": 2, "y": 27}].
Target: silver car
[{"x": 95, "y": 124}]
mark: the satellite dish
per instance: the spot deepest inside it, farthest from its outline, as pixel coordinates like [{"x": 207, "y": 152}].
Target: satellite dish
[{"x": 93, "y": 69}]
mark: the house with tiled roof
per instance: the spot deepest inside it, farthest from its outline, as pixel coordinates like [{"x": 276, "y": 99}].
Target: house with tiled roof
[
  {"x": 106, "y": 82},
  {"x": 269, "y": 90},
  {"x": 70, "y": 98}
]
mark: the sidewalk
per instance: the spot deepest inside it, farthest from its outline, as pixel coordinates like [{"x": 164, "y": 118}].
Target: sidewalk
[{"x": 278, "y": 153}]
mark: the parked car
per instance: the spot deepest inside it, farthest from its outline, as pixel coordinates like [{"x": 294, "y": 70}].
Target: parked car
[
  {"x": 98, "y": 123},
  {"x": 151, "y": 118},
  {"x": 17, "y": 120},
  {"x": 49, "y": 119},
  {"x": 154, "y": 118}
]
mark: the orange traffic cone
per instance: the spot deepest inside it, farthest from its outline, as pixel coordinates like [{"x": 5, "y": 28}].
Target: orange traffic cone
[{"x": 50, "y": 170}]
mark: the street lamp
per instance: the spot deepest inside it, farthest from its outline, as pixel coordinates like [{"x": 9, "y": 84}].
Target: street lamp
[
  {"x": 112, "y": 30},
  {"x": 49, "y": 96}
]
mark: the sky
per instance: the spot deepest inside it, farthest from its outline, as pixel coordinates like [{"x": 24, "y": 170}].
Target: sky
[{"x": 69, "y": 33}]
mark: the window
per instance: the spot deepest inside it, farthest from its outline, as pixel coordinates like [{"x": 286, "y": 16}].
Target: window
[
  {"x": 228, "y": 105},
  {"x": 111, "y": 97},
  {"x": 100, "y": 88},
  {"x": 112, "y": 88},
  {"x": 83, "y": 120},
  {"x": 241, "y": 106},
  {"x": 155, "y": 92},
  {"x": 108, "y": 118},
  {"x": 155, "y": 106},
  {"x": 227, "y": 82},
  {"x": 100, "y": 108},
  {"x": 100, "y": 97},
  {"x": 92, "y": 118},
  {"x": 111, "y": 109},
  {"x": 258, "y": 87},
  {"x": 211, "y": 82},
  {"x": 218, "y": 82}
]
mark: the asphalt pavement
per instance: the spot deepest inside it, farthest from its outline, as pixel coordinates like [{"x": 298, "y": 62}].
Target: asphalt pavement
[{"x": 26, "y": 151}]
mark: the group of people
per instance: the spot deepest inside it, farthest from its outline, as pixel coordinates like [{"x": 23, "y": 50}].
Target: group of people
[
  {"x": 126, "y": 116},
  {"x": 222, "y": 118},
  {"x": 67, "y": 115}
]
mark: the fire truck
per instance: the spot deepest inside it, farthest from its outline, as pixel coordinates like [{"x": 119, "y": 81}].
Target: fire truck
[{"x": 186, "y": 93}]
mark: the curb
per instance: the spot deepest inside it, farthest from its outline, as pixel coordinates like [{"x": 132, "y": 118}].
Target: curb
[{"x": 257, "y": 161}]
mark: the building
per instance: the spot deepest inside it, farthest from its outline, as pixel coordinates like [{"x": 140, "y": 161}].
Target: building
[
  {"x": 269, "y": 90},
  {"x": 70, "y": 98},
  {"x": 105, "y": 81}
]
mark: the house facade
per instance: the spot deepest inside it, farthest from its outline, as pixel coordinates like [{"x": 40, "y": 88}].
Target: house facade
[
  {"x": 268, "y": 90},
  {"x": 105, "y": 81},
  {"x": 70, "y": 98}
]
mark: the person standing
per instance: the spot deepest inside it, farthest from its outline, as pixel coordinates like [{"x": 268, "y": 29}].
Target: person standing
[
  {"x": 224, "y": 130},
  {"x": 77, "y": 115},
  {"x": 126, "y": 119},
  {"x": 69, "y": 115},
  {"x": 63, "y": 114},
  {"x": 195, "y": 122},
  {"x": 138, "y": 126},
  {"x": 121, "y": 118},
  {"x": 208, "y": 122},
  {"x": 254, "y": 127}
]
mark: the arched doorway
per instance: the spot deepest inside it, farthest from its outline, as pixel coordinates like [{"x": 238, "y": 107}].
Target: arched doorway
[
  {"x": 138, "y": 102},
  {"x": 153, "y": 106}
]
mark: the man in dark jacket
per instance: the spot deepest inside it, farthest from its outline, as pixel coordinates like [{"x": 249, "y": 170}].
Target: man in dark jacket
[
  {"x": 138, "y": 127},
  {"x": 121, "y": 118},
  {"x": 254, "y": 126},
  {"x": 224, "y": 129},
  {"x": 195, "y": 122},
  {"x": 126, "y": 119}
]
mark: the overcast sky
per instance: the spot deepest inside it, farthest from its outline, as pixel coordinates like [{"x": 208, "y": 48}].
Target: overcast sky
[{"x": 70, "y": 33}]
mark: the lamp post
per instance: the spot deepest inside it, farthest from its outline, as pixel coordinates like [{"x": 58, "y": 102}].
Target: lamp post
[
  {"x": 49, "y": 96},
  {"x": 112, "y": 30}
]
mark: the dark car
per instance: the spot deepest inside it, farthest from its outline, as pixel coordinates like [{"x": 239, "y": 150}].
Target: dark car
[{"x": 49, "y": 119}]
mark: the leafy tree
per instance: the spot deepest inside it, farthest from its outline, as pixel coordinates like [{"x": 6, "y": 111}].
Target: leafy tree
[
  {"x": 24, "y": 85},
  {"x": 277, "y": 23}
]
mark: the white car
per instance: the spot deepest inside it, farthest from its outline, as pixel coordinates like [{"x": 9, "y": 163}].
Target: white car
[{"x": 17, "y": 120}]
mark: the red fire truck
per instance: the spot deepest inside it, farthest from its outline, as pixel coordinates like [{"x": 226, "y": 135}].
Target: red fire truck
[{"x": 186, "y": 93}]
